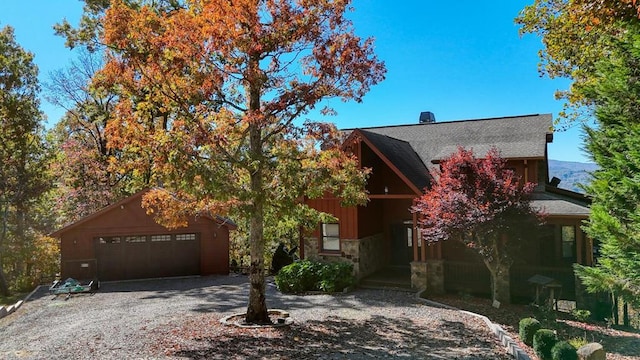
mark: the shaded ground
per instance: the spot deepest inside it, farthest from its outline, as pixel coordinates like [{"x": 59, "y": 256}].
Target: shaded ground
[
  {"x": 618, "y": 344},
  {"x": 179, "y": 318}
]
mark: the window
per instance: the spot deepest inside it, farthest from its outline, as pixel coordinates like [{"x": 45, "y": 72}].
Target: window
[
  {"x": 185, "y": 237},
  {"x": 568, "y": 234},
  {"x": 156, "y": 238},
  {"x": 330, "y": 237},
  {"x": 135, "y": 239},
  {"x": 109, "y": 240},
  {"x": 410, "y": 231}
]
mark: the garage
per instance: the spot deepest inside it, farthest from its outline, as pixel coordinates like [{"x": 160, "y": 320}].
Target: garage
[
  {"x": 123, "y": 242},
  {"x": 147, "y": 256}
]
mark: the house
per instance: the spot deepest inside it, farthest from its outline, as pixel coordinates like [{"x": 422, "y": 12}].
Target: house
[
  {"x": 381, "y": 237},
  {"x": 122, "y": 242}
]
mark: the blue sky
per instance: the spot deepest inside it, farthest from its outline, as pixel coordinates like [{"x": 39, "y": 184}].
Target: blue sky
[{"x": 459, "y": 59}]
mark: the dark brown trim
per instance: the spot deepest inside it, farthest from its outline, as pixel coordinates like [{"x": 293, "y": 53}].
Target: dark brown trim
[
  {"x": 356, "y": 133},
  {"x": 394, "y": 196},
  {"x": 219, "y": 220},
  {"x": 438, "y": 161}
]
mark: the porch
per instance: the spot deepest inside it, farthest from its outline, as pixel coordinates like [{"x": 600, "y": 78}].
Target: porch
[
  {"x": 474, "y": 278},
  {"x": 389, "y": 277}
]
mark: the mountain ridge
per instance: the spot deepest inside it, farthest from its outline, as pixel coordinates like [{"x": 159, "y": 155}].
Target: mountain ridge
[{"x": 571, "y": 173}]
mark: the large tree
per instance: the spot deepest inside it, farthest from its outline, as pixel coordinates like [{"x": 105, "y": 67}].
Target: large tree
[
  {"x": 22, "y": 152},
  {"x": 483, "y": 204},
  {"x": 576, "y": 34},
  {"x": 212, "y": 95},
  {"x": 86, "y": 178},
  {"x": 615, "y": 146}
]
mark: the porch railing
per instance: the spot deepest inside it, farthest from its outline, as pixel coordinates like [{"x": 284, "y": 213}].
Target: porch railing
[
  {"x": 563, "y": 275},
  {"x": 474, "y": 278},
  {"x": 467, "y": 277}
]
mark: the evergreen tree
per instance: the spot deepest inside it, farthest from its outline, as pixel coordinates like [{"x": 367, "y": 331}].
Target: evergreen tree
[{"x": 615, "y": 146}]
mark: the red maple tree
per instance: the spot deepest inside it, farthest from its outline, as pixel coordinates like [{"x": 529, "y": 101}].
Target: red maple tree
[{"x": 482, "y": 203}]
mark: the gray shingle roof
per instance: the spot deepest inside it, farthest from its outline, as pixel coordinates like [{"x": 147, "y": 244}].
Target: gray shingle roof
[
  {"x": 402, "y": 156},
  {"x": 554, "y": 201},
  {"x": 518, "y": 137}
]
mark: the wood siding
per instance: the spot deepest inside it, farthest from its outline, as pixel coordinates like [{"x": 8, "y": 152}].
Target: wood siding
[
  {"x": 79, "y": 245},
  {"x": 382, "y": 176},
  {"x": 347, "y": 216}
]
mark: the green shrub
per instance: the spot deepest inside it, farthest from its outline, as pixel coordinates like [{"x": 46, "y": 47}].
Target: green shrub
[
  {"x": 336, "y": 276},
  {"x": 306, "y": 275},
  {"x": 543, "y": 342},
  {"x": 581, "y": 315},
  {"x": 563, "y": 350},
  {"x": 527, "y": 327},
  {"x": 578, "y": 342}
]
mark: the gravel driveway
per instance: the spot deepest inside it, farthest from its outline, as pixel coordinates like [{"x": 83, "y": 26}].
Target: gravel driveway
[{"x": 179, "y": 319}]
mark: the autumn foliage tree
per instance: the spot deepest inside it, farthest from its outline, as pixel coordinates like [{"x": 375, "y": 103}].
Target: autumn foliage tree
[
  {"x": 483, "y": 204},
  {"x": 576, "y": 34},
  {"x": 211, "y": 96},
  {"x": 86, "y": 179}
]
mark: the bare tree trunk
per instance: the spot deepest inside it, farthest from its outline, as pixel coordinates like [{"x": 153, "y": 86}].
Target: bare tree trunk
[
  {"x": 257, "y": 308},
  {"x": 4, "y": 286},
  {"x": 500, "y": 282}
]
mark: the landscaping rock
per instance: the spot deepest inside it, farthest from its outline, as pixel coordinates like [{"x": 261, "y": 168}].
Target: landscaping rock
[{"x": 592, "y": 351}]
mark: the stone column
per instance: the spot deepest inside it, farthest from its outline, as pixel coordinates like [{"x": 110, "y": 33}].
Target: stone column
[
  {"x": 418, "y": 275},
  {"x": 435, "y": 276},
  {"x": 429, "y": 275}
]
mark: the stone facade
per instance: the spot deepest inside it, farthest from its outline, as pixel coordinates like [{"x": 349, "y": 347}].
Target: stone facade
[
  {"x": 428, "y": 275},
  {"x": 435, "y": 276},
  {"x": 365, "y": 253},
  {"x": 418, "y": 275}
]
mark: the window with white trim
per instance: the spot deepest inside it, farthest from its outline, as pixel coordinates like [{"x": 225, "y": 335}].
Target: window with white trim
[
  {"x": 185, "y": 237},
  {"x": 159, "y": 238},
  {"x": 109, "y": 240},
  {"x": 135, "y": 239},
  {"x": 330, "y": 237}
]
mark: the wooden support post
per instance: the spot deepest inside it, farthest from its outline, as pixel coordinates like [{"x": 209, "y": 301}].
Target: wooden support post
[
  {"x": 580, "y": 259},
  {"x": 423, "y": 252},
  {"x": 416, "y": 237}
]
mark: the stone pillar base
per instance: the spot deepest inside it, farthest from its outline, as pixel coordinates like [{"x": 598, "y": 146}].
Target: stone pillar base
[
  {"x": 418, "y": 275},
  {"x": 435, "y": 276},
  {"x": 428, "y": 275}
]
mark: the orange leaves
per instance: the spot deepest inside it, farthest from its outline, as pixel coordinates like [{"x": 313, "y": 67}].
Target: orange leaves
[
  {"x": 210, "y": 96},
  {"x": 175, "y": 209}
]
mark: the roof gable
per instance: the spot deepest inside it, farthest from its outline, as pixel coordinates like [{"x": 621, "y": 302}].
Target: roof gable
[
  {"x": 399, "y": 156},
  {"x": 123, "y": 203}
]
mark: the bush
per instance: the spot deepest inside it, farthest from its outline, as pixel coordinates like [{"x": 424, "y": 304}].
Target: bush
[
  {"x": 306, "y": 275},
  {"x": 581, "y": 315},
  {"x": 578, "y": 342},
  {"x": 336, "y": 276},
  {"x": 562, "y": 350},
  {"x": 527, "y": 327},
  {"x": 543, "y": 342}
]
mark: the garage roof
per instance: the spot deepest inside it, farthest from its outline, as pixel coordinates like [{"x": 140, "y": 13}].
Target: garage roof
[{"x": 222, "y": 221}]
